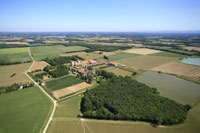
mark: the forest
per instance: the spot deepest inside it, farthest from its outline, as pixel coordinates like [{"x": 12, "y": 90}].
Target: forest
[
  {"x": 61, "y": 60},
  {"x": 123, "y": 98}
]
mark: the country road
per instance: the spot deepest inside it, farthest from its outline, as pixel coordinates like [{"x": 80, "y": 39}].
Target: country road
[{"x": 54, "y": 101}]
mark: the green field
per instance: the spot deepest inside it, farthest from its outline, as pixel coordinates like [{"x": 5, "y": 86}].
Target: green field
[
  {"x": 62, "y": 82},
  {"x": 13, "y": 50},
  {"x": 62, "y": 122},
  {"x": 11, "y": 55},
  {"x": 118, "y": 71},
  {"x": 69, "y": 107},
  {"x": 42, "y": 52},
  {"x": 24, "y": 111},
  {"x": 169, "y": 54},
  {"x": 121, "y": 55}
]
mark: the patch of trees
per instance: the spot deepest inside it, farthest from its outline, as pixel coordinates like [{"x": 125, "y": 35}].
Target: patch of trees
[
  {"x": 62, "y": 60},
  {"x": 122, "y": 98},
  {"x": 5, "y": 62},
  {"x": 98, "y": 47},
  {"x": 59, "y": 72},
  {"x": 12, "y": 45},
  {"x": 14, "y": 87}
]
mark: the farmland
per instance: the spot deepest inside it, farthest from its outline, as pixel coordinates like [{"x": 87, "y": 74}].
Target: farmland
[
  {"x": 24, "y": 111},
  {"x": 169, "y": 54},
  {"x": 12, "y": 55},
  {"x": 142, "y": 51},
  {"x": 39, "y": 65},
  {"x": 84, "y": 55},
  {"x": 69, "y": 108},
  {"x": 121, "y": 55},
  {"x": 118, "y": 71},
  {"x": 42, "y": 52},
  {"x": 146, "y": 62},
  {"x": 62, "y": 82},
  {"x": 71, "y": 89},
  {"x": 19, "y": 70},
  {"x": 179, "y": 69}
]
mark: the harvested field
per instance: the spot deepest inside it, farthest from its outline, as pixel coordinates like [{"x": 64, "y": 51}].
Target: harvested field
[
  {"x": 118, "y": 71},
  {"x": 24, "y": 43},
  {"x": 39, "y": 65},
  {"x": 84, "y": 55},
  {"x": 142, "y": 51},
  {"x": 192, "y": 48},
  {"x": 71, "y": 89},
  {"x": 179, "y": 69},
  {"x": 146, "y": 62},
  {"x": 18, "y": 70}
]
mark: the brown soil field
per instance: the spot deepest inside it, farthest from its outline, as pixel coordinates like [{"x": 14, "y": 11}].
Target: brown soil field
[
  {"x": 39, "y": 65},
  {"x": 118, "y": 71},
  {"x": 142, "y": 51},
  {"x": 146, "y": 62},
  {"x": 192, "y": 48},
  {"x": 19, "y": 77},
  {"x": 179, "y": 69},
  {"x": 71, "y": 89}
]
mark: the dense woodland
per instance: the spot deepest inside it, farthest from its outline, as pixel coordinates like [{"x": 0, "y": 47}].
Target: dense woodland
[
  {"x": 62, "y": 60},
  {"x": 122, "y": 98},
  {"x": 98, "y": 47}
]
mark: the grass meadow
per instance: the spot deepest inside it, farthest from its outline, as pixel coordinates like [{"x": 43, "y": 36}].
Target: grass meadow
[
  {"x": 42, "y": 52},
  {"x": 61, "y": 83},
  {"x": 121, "y": 55},
  {"x": 24, "y": 111},
  {"x": 19, "y": 71},
  {"x": 12, "y": 55},
  {"x": 169, "y": 54}
]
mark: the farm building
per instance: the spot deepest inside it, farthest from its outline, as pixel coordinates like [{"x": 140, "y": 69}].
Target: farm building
[
  {"x": 113, "y": 63},
  {"x": 83, "y": 63}
]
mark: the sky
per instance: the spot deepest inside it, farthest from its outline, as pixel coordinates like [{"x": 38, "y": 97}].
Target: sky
[{"x": 99, "y": 15}]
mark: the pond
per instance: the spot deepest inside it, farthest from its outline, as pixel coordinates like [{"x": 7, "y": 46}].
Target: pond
[
  {"x": 170, "y": 86},
  {"x": 193, "y": 61}
]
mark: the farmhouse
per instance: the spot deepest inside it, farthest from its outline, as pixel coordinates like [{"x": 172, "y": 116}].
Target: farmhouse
[{"x": 113, "y": 63}]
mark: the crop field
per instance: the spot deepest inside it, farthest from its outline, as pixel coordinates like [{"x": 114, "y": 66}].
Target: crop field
[
  {"x": 11, "y": 55},
  {"x": 24, "y": 111},
  {"x": 39, "y": 65},
  {"x": 142, "y": 51},
  {"x": 63, "y": 122},
  {"x": 146, "y": 62},
  {"x": 84, "y": 55},
  {"x": 179, "y": 69},
  {"x": 121, "y": 55},
  {"x": 42, "y": 52},
  {"x": 61, "y": 83},
  {"x": 69, "y": 108},
  {"x": 71, "y": 89},
  {"x": 118, "y": 71},
  {"x": 169, "y": 54},
  {"x": 192, "y": 48},
  {"x": 18, "y": 70},
  {"x": 13, "y": 50}
]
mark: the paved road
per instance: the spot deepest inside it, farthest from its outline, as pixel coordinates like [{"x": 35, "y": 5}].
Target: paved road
[{"x": 54, "y": 101}]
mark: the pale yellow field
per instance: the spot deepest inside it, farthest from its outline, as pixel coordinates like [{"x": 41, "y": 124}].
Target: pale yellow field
[
  {"x": 39, "y": 65},
  {"x": 179, "y": 69},
  {"x": 71, "y": 89},
  {"x": 16, "y": 43},
  {"x": 20, "y": 77},
  {"x": 192, "y": 48},
  {"x": 142, "y": 51}
]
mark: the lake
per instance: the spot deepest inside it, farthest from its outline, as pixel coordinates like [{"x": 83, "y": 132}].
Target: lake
[
  {"x": 193, "y": 61},
  {"x": 170, "y": 86}
]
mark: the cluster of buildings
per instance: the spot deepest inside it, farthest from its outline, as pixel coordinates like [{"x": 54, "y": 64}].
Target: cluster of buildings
[
  {"x": 80, "y": 67},
  {"x": 112, "y": 63}
]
